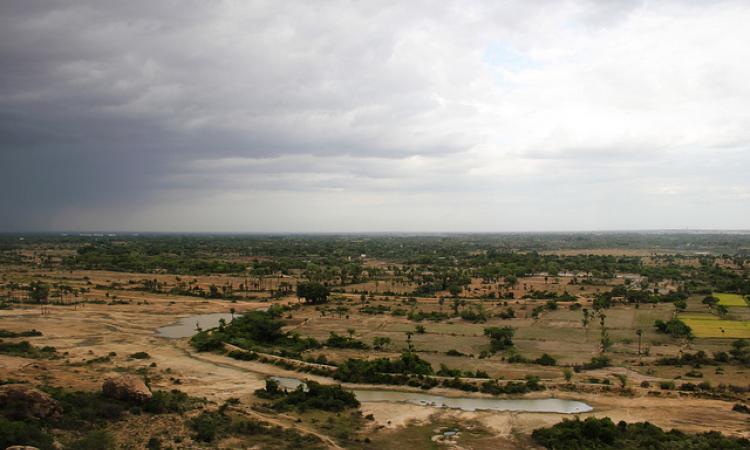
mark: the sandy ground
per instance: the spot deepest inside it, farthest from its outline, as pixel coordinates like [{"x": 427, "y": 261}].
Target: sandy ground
[{"x": 96, "y": 330}]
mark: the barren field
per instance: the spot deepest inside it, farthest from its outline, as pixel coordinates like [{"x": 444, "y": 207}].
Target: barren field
[{"x": 101, "y": 325}]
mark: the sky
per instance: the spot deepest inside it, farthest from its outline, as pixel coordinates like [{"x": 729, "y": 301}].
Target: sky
[{"x": 357, "y": 116}]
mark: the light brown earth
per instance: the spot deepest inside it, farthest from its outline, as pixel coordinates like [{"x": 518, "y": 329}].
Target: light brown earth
[{"x": 95, "y": 330}]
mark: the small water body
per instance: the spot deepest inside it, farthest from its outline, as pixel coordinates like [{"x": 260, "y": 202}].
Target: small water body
[
  {"x": 545, "y": 405},
  {"x": 186, "y": 326}
]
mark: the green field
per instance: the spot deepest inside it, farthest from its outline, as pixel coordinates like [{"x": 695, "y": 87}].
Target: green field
[
  {"x": 731, "y": 299},
  {"x": 706, "y": 325}
]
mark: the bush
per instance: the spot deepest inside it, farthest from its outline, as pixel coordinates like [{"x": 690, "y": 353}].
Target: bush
[
  {"x": 140, "y": 355},
  {"x": 666, "y": 385},
  {"x": 16, "y": 334},
  {"x": 25, "y": 350},
  {"x": 173, "y": 401},
  {"x": 546, "y": 360},
  {"x": 208, "y": 425},
  {"x": 29, "y": 433},
  {"x": 597, "y": 362}
]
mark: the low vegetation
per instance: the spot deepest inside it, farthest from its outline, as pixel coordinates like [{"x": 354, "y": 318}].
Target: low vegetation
[{"x": 603, "y": 434}]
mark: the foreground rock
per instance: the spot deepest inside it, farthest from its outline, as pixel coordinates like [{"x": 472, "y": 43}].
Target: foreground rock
[
  {"x": 29, "y": 402},
  {"x": 127, "y": 388},
  {"x": 21, "y": 447}
]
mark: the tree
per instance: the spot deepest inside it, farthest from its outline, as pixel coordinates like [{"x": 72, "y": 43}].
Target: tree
[
  {"x": 639, "y": 332},
  {"x": 586, "y": 319},
  {"x": 456, "y": 303},
  {"x": 568, "y": 374},
  {"x": 675, "y": 328},
  {"x": 38, "y": 292},
  {"x": 606, "y": 342},
  {"x": 313, "y": 293},
  {"x": 501, "y": 338}
]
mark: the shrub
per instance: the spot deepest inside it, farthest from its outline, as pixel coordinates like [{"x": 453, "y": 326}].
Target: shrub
[
  {"x": 29, "y": 433},
  {"x": 546, "y": 360}
]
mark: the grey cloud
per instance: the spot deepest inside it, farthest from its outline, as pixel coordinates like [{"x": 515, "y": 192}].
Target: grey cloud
[{"x": 137, "y": 106}]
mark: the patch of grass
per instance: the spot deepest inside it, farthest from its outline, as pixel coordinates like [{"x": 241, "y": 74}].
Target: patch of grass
[
  {"x": 731, "y": 299},
  {"x": 95, "y": 440},
  {"x": 710, "y": 326}
]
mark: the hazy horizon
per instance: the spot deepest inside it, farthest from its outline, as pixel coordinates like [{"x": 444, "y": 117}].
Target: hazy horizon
[
  {"x": 368, "y": 233},
  {"x": 338, "y": 117}
]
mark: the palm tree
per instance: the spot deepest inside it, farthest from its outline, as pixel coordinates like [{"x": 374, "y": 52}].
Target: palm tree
[{"x": 639, "y": 332}]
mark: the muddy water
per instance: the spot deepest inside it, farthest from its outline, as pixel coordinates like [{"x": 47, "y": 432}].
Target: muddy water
[
  {"x": 186, "y": 326},
  {"x": 545, "y": 405}
]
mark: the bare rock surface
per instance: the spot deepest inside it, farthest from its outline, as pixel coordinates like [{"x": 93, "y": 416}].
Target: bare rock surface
[
  {"x": 29, "y": 402},
  {"x": 128, "y": 388}
]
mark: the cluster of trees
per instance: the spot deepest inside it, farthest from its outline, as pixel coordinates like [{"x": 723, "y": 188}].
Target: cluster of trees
[
  {"x": 674, "y": 327},
  {"x": 338, "y": 341},
  {"x": 382, "y": 370},
  {"x": 310, "y": 395},
  {"x": 139, "y": 256},
  {"x": 250, "y": 331},
  {"x": 604, "y": 434}
]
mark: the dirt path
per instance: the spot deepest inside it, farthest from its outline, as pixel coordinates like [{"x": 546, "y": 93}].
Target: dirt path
[{"x": 303, "y": 429}]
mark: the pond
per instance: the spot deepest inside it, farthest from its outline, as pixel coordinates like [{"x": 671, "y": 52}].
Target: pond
[
  {"x": 186, "y": 326},
  {"x": 546, "y": 405}
]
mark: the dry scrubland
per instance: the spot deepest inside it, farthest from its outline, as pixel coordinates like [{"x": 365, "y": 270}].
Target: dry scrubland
[{"x": 107, "y": 317}]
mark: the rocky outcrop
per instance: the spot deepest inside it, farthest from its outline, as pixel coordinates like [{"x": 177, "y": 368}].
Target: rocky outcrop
[
  {"x": 128, "y": 388},
  {"x": 28, "y": 402}
]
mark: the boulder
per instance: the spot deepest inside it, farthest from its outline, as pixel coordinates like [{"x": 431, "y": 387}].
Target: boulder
[
  {"x": 28, "y": 402},
  {"x": 128, "y": 388}
]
